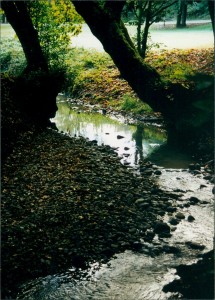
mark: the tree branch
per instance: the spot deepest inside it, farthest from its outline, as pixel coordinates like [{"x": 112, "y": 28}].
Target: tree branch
[
  {"x": 114, "y": 8},
  {"x": 162, "y": 9}
]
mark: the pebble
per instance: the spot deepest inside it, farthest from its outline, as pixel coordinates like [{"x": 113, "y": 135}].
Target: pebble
[
  {"x": 190, "y": 218},
  {"x": 195, "y": 245},
  {"x": 161, "y": 227},
  {"x": 180, "y": 215}
]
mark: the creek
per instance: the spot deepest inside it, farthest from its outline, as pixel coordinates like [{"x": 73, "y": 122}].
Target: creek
[{"x": 139, "y": 275}]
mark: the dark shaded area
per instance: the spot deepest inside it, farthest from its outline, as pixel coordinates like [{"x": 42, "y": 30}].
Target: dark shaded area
[
  {"x": 28, "y": 102},
  {"x": 190, "y": 116},
  {"x": 196, "y": 281}
]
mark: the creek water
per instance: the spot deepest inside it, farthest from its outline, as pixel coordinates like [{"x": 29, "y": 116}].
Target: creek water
[{"x": 134, "y": 275}]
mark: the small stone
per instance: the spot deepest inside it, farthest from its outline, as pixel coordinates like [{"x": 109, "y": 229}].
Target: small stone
[
  {"x": 171, "y": 209},
  {"x": 126, "y": 148},
  {"x": 157, "y": 172},
  {"x": 180, "y": 215},
  {"x": 137, "y": 245},
  {"x": 190, "y": 218},
  {"x": 194, "y": 200},
  {"x": 139, "y": 201},
  {"x": 173, "y": 221},
  {"x": 132, "y": 230},
  {"x": 170, "y": 249},
  {"x": 161, "y": 227},
  {"x": 194, "y": 245},
  {"x": 120, "y": 136},
  {"x": 148, "y": 172}
]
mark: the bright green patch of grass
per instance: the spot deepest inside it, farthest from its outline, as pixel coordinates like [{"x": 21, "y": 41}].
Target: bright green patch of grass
[
  {"x": 7, "y": 31},
  {"x": 133, "y": 104}
]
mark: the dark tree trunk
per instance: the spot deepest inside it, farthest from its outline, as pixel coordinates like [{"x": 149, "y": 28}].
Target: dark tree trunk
[
  {"x": 112, "y": 33},
  {"x": 146, "y": 31},
  {"x": 211, "y": 11},
  {"x": 36, "y": 94},
  {"x": 179, "y": 14},
  {"x": 18, "y": 16},
  {"x": 182, "y": 14}
]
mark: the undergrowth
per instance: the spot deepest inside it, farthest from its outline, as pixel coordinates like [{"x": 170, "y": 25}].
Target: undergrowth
[{"x": 93, "y": 77}]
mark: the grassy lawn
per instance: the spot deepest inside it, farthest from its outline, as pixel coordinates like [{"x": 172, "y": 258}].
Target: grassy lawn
[{"x": 7, "y": 31}]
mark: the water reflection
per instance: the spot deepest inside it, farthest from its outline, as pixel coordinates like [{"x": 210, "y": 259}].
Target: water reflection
[{"x": 132, "y": 143}]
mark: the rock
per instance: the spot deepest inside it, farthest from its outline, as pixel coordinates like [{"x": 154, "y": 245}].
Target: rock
[
  {"x": 157, "y": 172},
  {"x": 137, "y": 245},
  {"x": 190, "y": 218},
  {"x": 132, "y": 230},
  {"x": 120, "y": 136},
  {"x": 170, "y": 249},
  {"x": 140, "y": 201},
  {"x": 194, "y": 245},
  {"x": 126, "y": 148},
  {"x": 144, "y": 205},
  {"x": 171, "y": 209},
  {"x": 180, "y": 215},
  {"x": 173, "y": 221},
  {"x": 194, "y": 200},
  {"x": 148, "y": 172},
  {"x": 207, "y": 177},
  {"x": 161, "y": 227}
]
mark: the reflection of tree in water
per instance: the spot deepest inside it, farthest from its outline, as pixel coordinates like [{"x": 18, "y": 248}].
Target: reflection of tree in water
[{"x": 138, "y": 137}]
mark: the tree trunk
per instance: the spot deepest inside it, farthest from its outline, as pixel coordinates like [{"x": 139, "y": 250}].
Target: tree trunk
[
  {"x": 18, "y": 16},
  {"x": 179, "y": 14},
  {"x": 36, "y": 94},
  {"x": 146, "y": 31},
  {"x": 112, "y": 33},
  {"x": 211, "y": 11},
  {"x": 184, "y": 14}
]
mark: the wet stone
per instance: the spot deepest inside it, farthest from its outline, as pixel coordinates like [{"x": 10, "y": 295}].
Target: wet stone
[
  {"x": 180, "y": 215},
  {"x": 161, "y": 227},
  {"x": 190, "y": 218},
  {"x": 193, "y": 200},
  {"x": 157, "y": 172},
  {"x": 173, "y": 221},
  {"x": 194, "y": 245}
]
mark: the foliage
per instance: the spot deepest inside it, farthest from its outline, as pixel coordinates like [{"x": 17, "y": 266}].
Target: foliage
[{"x": 56, "y": 22}]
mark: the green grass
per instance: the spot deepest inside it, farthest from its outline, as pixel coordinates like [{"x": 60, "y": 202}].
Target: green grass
[{"x": 7, "y": 31}]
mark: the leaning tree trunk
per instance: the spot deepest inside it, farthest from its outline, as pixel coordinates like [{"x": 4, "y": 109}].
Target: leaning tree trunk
[
  {"x": 18, "y": 16},
  {"x": 106, "y": 25},
  {"x": 36, "y": 94}
]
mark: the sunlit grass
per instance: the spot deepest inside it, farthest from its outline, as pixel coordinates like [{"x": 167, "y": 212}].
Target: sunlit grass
[{"x": 7, "y": 31}]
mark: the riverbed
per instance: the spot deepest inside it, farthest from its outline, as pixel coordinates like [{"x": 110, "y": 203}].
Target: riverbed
[{"x": 141, "y": 273}]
